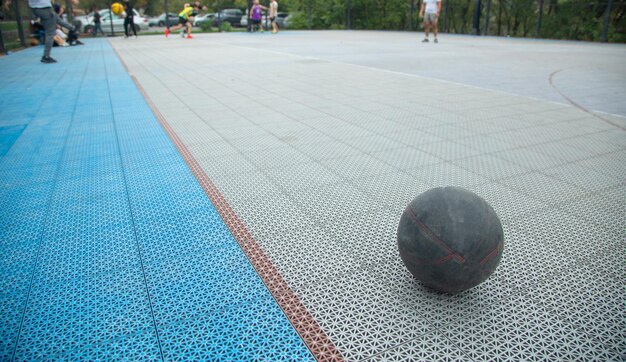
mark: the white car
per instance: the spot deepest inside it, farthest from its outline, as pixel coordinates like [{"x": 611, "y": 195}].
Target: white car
[
  {"x": 141, "y": 23},
  {"x": 204, "y": 18}
]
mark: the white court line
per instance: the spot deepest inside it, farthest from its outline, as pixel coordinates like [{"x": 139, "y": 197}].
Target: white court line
[{"x": 415, "y": 76}]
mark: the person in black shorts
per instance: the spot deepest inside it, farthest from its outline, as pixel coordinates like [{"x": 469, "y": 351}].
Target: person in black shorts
[{"x": 185, "y": 19}]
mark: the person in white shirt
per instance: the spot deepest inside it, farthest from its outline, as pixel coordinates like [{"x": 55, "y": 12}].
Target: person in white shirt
[
  {"x": 430, "y": 10},
  {"x": 273, "y": 14}
]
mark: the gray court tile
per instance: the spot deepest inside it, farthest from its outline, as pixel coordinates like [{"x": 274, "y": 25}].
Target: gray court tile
[
  {"x": 518, "y": 329},
  {"x": 606, "y": 208},
  {"x": 446, "y": 174},
  {"x": 485, "y": 143},
  {"x": 412, "y": 137},
  {"x": 563, "y": 151},
  {"x": 362, "y": 315},
  {"x": 528, "y": 158},
  {"x": 590, "y": 301},
  {"x": 427, "y": 347},
  {"x": 352, "y": 167},
  {"x": 607, "y": 164},
  {"x": 543, "y": 188},
  {"x": 576, "y": 174},
  {"x": 491, "y": 167},
  {"x": 406, "y": 158},
  {"x": 448, "y": 150}
]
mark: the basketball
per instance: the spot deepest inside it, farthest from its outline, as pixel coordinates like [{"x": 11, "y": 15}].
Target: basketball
[
  {"x": 117, "y": 8},
  {"x": 450, "y": 239}
]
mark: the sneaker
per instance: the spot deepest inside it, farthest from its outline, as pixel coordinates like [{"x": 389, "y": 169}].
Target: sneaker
[
  {"x": 425, "y": 40},
  {"x": 47, "y": 60},
  {"x": 183, "y": 34},
  {"x": 436, "y": 41},
  {"x": 167, "y": 32},
  {"x": 189, "y": 36}
]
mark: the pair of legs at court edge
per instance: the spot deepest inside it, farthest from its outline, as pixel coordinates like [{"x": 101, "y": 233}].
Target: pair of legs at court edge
[{"x": 430, "y": 19}]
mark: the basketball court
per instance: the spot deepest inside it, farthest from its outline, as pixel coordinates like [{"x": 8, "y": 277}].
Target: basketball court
[{"x": 236, "y": 197}]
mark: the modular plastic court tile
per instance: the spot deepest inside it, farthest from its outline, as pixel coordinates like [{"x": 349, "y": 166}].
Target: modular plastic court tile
[{"x": 110, "y": 247}]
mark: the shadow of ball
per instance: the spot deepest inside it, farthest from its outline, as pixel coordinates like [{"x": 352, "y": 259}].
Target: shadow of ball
[{"x": 450, "y": 239}]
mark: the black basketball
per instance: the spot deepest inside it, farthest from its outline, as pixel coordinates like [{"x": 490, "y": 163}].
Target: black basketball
[{"x": 450, "y": 239}]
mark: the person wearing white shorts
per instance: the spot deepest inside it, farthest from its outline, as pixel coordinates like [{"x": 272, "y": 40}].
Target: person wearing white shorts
[{"x": 430, "y": 10}]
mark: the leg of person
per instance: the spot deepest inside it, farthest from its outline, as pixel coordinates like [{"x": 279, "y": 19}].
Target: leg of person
[
  {"x": 132, "y": 25},
  {"x": 189, "y": 30},
  {"x": 426, "y": 28},
  {"x": 126, "y": 27},
  {"x": 48, "y": 21},
  {"x": 435, "y": 29}
]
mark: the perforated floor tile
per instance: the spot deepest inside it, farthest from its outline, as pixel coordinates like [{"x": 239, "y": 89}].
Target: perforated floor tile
[
  {"x": 518, "y": 329},
  {"x": 108, "y": 238},
  {"x": 361, "y": 315},
  {"x": 327, "y": 224},
  {"x": 544, "y": 188},
  {"x": 580, "y": 296},
  {"x": 427, "y": 347},
  {"x": 606, "y": 208}
]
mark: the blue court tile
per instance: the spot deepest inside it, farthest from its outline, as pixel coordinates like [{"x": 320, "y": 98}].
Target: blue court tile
[{"x": 8, "y": 136}]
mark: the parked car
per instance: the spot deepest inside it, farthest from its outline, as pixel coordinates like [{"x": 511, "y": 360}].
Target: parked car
[
  {"x": 141, "y": 23},
  {"x": 204, "y": 18},
  {"x": 172, "y": 19},
  {"x": 280, "y": 19},
  {"x": 233, "y": 16},
  {"x": 286, "y": 22}
]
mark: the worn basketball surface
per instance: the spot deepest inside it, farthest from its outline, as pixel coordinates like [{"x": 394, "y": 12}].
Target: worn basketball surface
[{"x": 450, "y": 239}]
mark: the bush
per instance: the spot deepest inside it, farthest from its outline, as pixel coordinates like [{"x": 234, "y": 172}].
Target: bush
[
  {"x": 206, "y": 27},
  {"x": 225, "y": 26},
  {"x": 298, "y": 21}
]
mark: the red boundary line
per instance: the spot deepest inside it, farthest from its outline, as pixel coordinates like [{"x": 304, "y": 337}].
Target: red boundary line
[{"x": 320, "y": 345}]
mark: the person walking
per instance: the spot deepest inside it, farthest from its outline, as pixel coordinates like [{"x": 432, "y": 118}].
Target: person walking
[
  {"x": 273, "y": 15},
  {"x": 430, "y": 10},
  {"x": 129, "y": 19},
  {"x": 43, "y": 10},
  {"x": 97, "y": 23}
]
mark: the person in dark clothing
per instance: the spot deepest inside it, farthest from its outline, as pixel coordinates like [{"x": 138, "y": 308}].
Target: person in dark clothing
[
  {"x": 128, "y": 20},
  {"x": 42, "y": 9},
  {"x": 97, "y": 24}
]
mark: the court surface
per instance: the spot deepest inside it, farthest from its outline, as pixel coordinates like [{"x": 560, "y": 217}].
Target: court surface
[{"x": 236, "y": 197}]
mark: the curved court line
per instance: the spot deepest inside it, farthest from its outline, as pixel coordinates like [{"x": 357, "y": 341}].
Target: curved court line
[
  {"x": 570, "y": 101},
  {"x": 320, "y": 345},
  {"x": 418, "y": 76}
]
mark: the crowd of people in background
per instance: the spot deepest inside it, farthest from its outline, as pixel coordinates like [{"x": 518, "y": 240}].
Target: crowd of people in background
[{"x": 49, "y": 23}]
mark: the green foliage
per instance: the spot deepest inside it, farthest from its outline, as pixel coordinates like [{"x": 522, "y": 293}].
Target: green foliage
[
  {"x": 206, "y": 27},
  {"x": 226, "y": 27},
  {"x": 298, "y": 21}
]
